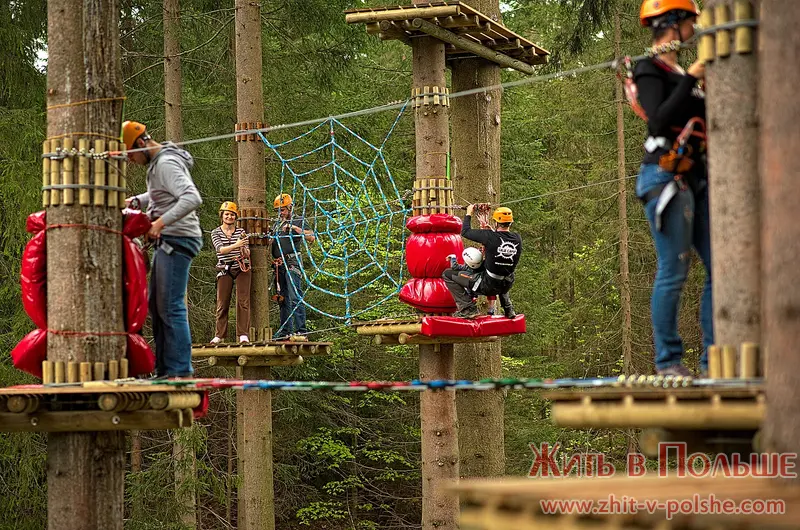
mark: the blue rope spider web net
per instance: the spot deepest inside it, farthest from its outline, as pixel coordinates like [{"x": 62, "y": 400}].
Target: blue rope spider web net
[{"x": 343, "y": 190}]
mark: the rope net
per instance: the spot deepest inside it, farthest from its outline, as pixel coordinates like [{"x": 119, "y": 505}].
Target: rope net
[{"x": 343, "y": 190}]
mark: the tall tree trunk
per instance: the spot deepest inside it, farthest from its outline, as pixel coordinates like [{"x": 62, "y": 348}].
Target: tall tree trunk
[
  {"x": 182, "y": 451},
  {"x": 85, "y": 471},
  {"x": 622, "y": 199},
  {"x": 439, "y": 423},
  {"x": 476, "y": 179},
  {"x": 254, "y": 409},
  {"x": 732, "y": 122},
  {"x": 779, "y": 112},
  {"x": 172, "y": 71}
]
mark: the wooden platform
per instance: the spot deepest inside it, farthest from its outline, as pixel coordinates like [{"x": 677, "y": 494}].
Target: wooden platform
[
  {"x": 692, "y": 408},
  {"x": 408, "y": 331},
  {"x": 98, "y": 406},
  {"x": 505, "y": 504},
  {"x": 272, "y": 353},
  {"x": 466, "y": 31}
]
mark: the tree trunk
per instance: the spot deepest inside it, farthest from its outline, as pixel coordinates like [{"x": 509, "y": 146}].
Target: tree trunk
[
  {"x": 622, "y": 200},
  {"x": 256, "y": 509},
  {"x": 437, "y": 409},
  {"x": 476, "y": 179},
  {"x": 182, "y": 451},
  {"x": 779, "y": 111},
  {"x": 732, "y": 123},
  {"x": 172, "y": 71},
  {"x": 85, "y": 471}
]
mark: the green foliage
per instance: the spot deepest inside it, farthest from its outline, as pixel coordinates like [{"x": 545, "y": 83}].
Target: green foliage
[{"x": 351, "y": 460}]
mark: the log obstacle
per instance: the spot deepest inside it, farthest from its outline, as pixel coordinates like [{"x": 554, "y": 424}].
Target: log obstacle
[{"x": 272, "y": 353}]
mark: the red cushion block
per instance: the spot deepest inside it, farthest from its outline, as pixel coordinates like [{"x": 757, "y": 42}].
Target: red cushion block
[
  {"x": 484, "y": 326},
  {"x": 428, "y": 294},
  {"x": 437, "y": 222},
  {"x": 426, "y": 254},
  {"x": 33, "y": 279}
]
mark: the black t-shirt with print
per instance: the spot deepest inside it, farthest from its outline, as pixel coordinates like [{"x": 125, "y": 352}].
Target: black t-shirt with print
[{"x": 502, "y": 249}]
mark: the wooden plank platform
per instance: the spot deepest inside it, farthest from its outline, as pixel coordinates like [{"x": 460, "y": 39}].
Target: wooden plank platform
[
  {"x": 273, "y": 353},
  {"x": 391, "y": 331},
  {"x": 98, "y": 406},
  {"x": 693, "y": 408},
  {"x": 396, "y": 22},
  {"x": 494, "y": 504}
]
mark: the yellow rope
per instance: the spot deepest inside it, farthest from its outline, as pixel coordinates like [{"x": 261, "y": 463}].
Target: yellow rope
[{"x": 84, "y": 102}]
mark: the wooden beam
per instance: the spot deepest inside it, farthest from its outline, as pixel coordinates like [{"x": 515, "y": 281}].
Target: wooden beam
[
  {"x": 283, "y": 349},
  {"x": 402, "y": 14},
  {"x": 405, "y": 338},
  {"x": 281, "y": 360},
  {"x": 388, "y": 329},
  {"x": 84, "y": 421},
  {"x": 689, "y": 415},
  {"x": 466, "y": 44}
]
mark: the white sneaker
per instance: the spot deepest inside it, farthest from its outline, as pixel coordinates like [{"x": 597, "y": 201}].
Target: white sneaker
[
  {"x": 244, "y": 338},
  {"x": 215, "y": 340}
]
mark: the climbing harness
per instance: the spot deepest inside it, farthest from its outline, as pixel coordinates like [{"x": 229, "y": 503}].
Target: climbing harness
[{"x": 678, "y": 161}]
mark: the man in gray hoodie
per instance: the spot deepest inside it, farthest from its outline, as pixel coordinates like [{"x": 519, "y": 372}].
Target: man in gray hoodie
[{"x": 171, "y": 202}]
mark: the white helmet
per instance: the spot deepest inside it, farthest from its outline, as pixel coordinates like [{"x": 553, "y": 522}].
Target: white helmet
[{"x": 472, "y": 257}]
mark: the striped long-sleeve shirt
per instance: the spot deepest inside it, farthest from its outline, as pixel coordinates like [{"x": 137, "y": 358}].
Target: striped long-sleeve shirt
[{"x": 219, "y": 239}]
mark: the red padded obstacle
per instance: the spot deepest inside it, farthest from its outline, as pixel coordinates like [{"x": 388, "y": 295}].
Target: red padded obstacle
[
  {"x": 433, "y": 238},
  {"x": 426, "y": 254},
  {"x": 437, "y": 222},
  {"x": 32, "y": 349},
  {"x": 484, "y": 326},
  {"x": 428, "y": 294}
]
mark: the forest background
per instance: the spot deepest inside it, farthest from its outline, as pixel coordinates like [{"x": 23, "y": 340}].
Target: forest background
[{"x": 352, "y": 461}]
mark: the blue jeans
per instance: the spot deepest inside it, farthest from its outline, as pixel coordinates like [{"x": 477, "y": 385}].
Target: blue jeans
[
  {"x": 684, "y": 224},
  {"x": 169, "y": 278},
  {"x": 293, "y": 312}
]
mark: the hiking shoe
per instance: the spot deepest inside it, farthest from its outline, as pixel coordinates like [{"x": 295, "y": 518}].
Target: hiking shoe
[
  {"x": 215, "y": 340},
  {"x": 676, "y": 370},
  {"x": 509, "y": 313},
  {"x": 468, "y": 312}
]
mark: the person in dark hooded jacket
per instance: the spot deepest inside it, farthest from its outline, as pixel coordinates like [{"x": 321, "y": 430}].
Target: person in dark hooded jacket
[{"x": 171, "y": 202}]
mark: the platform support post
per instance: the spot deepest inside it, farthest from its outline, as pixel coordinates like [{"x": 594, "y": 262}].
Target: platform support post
[{"x": 440, "y": 460}]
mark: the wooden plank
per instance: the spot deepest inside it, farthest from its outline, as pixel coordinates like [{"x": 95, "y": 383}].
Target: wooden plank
[
  {"x": 727, "y": 414},
  {"x": 402, "y": 14},
  {"x": 645, "y": 393},
  {"x": 483, "y": 498},
  {"x": 55, "y": 175},
  {"x": 478, "y": 49},
  {"x": 45, "y": 173},
  {"x": 85, "y": 421},
  {"x": 68, "y": 173},
  {"x": 91, "y": 388}
]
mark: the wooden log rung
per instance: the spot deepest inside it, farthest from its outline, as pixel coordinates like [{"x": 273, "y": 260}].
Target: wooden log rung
[{"x": 92, "y": 421}]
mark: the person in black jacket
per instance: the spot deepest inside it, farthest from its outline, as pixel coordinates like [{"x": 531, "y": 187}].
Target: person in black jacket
[
  {"x": 503, "y": 249},
  {"x": 673, "y": 182}
]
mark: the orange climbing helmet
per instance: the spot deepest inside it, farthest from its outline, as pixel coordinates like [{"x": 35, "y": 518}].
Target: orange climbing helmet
[
  {"x": 652, "y": 9},
  {"x": 229, "y": 206},
  {"x": 503, "y": 215},
  {"x": 282, "y": 201},
  {"x": 132, "y": 131}
]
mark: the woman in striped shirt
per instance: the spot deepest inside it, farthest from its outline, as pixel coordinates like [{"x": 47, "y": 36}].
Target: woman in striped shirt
[{"x": 233, "y": 265}]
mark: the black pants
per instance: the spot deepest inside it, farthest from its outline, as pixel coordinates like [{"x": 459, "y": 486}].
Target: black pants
[
  {"x": 500, "y": 288},
  {"x": 460, "y": 286}
]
